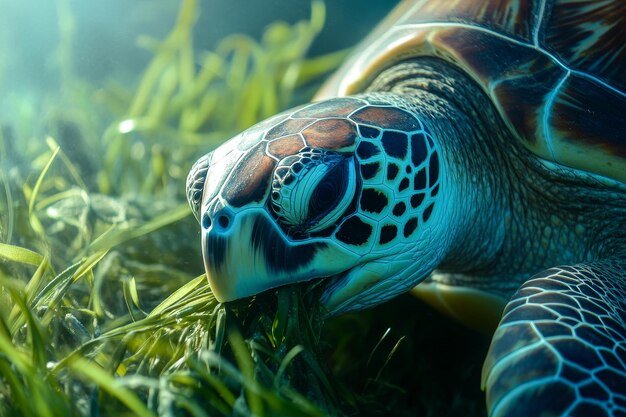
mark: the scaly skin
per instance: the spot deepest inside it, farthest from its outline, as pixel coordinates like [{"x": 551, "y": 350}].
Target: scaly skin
[{"x": 560, "y": 348}]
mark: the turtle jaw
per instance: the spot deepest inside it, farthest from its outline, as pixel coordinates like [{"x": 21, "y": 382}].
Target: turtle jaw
[
  {"x": 375, "y": 280},
  {"x": 252, "y": 255},
  {"x": 368, "y": 284}
]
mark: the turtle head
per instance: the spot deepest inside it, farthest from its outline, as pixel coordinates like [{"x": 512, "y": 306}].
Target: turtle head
[{"x": 345, "y": 190}]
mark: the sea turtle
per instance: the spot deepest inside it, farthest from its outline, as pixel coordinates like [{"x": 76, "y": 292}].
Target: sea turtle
[{"x": 471, "y": 146}]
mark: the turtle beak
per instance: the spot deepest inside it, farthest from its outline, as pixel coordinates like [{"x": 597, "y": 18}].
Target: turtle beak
[{"x": 247, "y": 254}]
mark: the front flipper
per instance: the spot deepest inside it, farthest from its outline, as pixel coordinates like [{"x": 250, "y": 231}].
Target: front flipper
[{"x": 560, "y": 349}]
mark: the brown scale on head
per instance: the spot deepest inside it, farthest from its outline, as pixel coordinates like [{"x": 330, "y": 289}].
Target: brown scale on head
[
  {"x": 285, "y": 146},
  {"x": 249, "y": 183},
  {"x": 342, "y": 131},
  {"x": 288, "y": 127},
  {"x": 387, "y": 118}
]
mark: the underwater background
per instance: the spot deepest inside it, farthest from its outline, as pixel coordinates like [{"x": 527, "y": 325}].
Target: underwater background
[
  {"x": 104, "y": 308},
  {"x": 101, "y": 37}
]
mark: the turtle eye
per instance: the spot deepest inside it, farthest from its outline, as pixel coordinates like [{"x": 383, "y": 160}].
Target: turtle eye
[{"x": 311, "y": 190}]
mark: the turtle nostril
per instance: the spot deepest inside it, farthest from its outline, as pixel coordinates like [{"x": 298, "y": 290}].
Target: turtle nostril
[
  {"x": 223, "y": 220},
  {"x": 206, "y": 221},
  {"x": 220, "y": 221}
]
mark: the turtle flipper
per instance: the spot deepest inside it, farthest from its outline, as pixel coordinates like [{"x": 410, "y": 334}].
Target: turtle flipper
[{"x": 560, "y": 348}]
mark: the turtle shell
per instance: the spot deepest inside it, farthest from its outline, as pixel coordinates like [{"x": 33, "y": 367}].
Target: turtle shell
[{"x": 555, "y": 70}]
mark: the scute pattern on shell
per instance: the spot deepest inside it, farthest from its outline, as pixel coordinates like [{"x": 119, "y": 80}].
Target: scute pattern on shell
[
  {"x": 554, "y": 69},
  {"x": 590, "y": 36}
]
